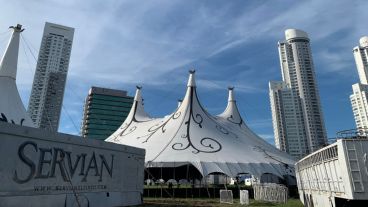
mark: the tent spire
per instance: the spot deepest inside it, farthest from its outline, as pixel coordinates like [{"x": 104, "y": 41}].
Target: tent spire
[
  {"x": 8, "y": 64},
  {"x": 136, "y": 115},
  {"x": 138, "y": 96},
  {"x": 191, "y": 88},
  {"x": 138, "y": 108},
  {"x": 191, "y": 81},
  {"x": 231, "y": 94},
  {"x": 11, "y": 106},
  {"x": 231, "y": 112}
]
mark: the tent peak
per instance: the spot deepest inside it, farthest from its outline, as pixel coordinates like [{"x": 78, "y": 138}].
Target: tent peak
[
  {"x": 191, "y": 81},
  {"x": 231, "y": 94},
  {"x": 9, "y": 62},
  {"x": 138, "y": 94},
  {"x": 137, "y": 110},
  {"x": 11, "y": 105},
  {"x": 231, "y": 113},
  {"x": 191, "y": 135},
  {"x": 17, "y": 28}
]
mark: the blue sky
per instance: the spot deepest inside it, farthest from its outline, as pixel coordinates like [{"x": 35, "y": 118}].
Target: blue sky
[{"x": 119, "y": 44}]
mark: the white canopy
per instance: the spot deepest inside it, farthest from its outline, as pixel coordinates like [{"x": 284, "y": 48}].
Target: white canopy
[
  {"x": 190, "y": 134},
  {"x": 11, "y": 107}
]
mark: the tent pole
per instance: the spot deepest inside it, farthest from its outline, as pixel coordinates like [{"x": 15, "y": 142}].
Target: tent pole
[
  {"x": 173, "y": 191},
  {"x": 238, "y": 183},
  {"x": 225, "y": 182},
  {"x": 208, "y": 192},
  {"x": 213, "y": 187},
  {"x": 186, "y": 189},
  {"x": 148, "y": 183},
  {"x": 161, "y": 180},
  {"x": 200, "y": 187}
]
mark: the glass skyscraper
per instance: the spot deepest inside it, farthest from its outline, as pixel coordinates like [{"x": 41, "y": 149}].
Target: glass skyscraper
[{"x": 104, "y": 112}]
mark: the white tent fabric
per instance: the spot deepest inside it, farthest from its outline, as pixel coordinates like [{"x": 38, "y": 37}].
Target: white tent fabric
[
  {"x": 222, "y": 143},
  {"x": 11, "y": 107}
]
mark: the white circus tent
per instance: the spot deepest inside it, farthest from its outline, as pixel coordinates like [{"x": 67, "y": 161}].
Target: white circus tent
[
  {"x": 11, "y": 107},
  {"x": 190, "y": 135}
]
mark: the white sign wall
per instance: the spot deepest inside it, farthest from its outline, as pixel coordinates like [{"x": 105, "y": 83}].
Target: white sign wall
[{"x": 36, "y": 163}]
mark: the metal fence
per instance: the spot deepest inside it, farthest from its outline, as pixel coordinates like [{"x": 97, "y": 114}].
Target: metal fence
[{"x": 270, "y": 192}]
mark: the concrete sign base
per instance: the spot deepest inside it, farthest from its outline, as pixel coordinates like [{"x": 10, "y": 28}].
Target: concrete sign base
[{"x": 41, "y": 168}]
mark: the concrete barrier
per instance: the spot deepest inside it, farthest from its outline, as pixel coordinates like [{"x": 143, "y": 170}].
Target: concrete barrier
[{"x": 41, "y": 168}]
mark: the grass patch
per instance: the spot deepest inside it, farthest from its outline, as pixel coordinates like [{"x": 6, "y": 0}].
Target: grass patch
[{"x": 212, "y": 202}]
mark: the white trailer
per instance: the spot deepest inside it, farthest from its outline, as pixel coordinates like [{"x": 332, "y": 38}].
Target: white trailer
[{"x": 335, "y": 175}]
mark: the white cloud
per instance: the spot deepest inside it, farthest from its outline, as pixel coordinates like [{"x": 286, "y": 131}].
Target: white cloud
[
  {"x": 337, "y": 61},
  {"x": 221, "y": 85},
  {"x": 119, "y": 38},
  {"x": 124, "y": 43}
]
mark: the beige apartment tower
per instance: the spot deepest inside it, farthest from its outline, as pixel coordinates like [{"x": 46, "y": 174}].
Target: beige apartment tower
[
  {"x": 47, "y": 94},
  {"x": 359, "y": 99},
  {"x": 295, "y": 103}
]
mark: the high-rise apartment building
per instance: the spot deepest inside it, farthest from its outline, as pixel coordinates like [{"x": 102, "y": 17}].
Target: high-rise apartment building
[
  {"x": 47, "y": 94},
  {"x": 359, "y": 104},
  {"x": 361, "y": 59},
  {"x": 295, "y": 103},
  {"x": 359, "y": 99},
  {"x": 104, "y": 112},
  {"x": 287, "y": 123}
]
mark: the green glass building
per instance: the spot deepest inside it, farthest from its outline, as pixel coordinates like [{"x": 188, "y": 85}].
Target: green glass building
[{"x": 104, "y": 112}]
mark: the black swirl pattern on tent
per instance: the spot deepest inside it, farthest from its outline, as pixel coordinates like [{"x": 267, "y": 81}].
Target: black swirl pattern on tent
[
  {"x": 206, "y": 144},
  {"x": 3, "y": 118},
  {"x": 231, "y": 117},
  {"x": 126, "y": 132},
  {"x": 222, "y": 129},
  {"x": 124, "y": 129},
  {"x": 232, "y": 120},
  {"x": 225, "y": 131},
  {"x": 153, "y": 129}
]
